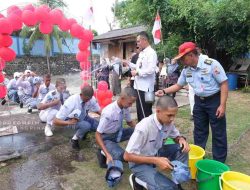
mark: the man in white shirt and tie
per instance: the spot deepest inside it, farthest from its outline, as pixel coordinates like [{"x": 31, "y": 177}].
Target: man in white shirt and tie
[
  {"x": 144, "y": 73},
  {"x": 82, "y": 123}
]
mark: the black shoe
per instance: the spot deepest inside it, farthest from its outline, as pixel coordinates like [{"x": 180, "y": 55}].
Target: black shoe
[
  {"x": 21, "y": 104},
  {"x": 101, "y": 159},
  {"x": 134, "y": 184},
  {"x": 75, "y": 144},
  {"x": 179, "y": 187},
  {"x": 29, "y": 110},
  {"x": 3, "y": 102}
]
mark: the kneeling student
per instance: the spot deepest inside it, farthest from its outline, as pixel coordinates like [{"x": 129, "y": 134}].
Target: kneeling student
[
  {"x": 145, "y": 151},
  {"x": 83, "y": 102},
  {"x": 110, "y": 131}
]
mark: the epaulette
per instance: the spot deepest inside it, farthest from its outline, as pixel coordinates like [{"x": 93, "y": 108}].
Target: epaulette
[{"x": 208, "y": 61}]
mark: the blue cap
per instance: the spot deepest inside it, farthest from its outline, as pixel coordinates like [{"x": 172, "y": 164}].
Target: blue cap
[
  {"x": 114, "y": 172},
  {"x": 180, "y": 172}
]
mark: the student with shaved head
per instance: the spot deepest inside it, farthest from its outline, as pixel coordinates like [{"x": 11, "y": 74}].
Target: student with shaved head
[{"x": 146, "y": 149}]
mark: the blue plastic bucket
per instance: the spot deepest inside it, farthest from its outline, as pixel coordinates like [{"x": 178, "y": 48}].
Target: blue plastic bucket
[{"x": 232, "y": 81}]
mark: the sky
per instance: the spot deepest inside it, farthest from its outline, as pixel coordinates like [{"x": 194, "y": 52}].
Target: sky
[{"x": 77, "y": 9}]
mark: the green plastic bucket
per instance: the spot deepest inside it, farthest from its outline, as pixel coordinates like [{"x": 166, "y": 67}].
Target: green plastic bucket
[{"x": 208, "y": 174}]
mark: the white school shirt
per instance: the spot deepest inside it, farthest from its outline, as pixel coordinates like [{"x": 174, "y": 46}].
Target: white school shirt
[
  {"x": 43, "y": 90},
  {"x": 148, "y": 136},
  {"x": 110, "y": 118},
  {"x": 75, "y": 102}
]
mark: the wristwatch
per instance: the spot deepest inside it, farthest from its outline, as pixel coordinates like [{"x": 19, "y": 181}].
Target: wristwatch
[{"x": 164, "y": 91}]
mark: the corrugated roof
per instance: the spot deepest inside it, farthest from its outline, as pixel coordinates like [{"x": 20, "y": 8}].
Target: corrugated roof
[{"x": 120, "y": 32}]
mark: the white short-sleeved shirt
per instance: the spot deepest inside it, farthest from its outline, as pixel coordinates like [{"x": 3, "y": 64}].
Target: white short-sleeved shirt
[
  {"x": 75, "y": 102},
  {"x": 43, "y": 90},
  {"x": 110, "y": 120},
  {"x": 145, "y": 66},
  {"x": 53, "y": 95},
  {"x": 148, "y": 136},
  {"x": 12, "y": 84},
  {"x": 25, "y": 85}
]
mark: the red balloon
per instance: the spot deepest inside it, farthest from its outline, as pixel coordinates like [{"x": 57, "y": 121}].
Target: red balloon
[
  {"x": 85, "y": 75},
  {"x": 109, "y": 94},
  {"x": 2, "y": 64},
  {"x": 5, "y": 40},
  {"x": 72, "y": 21},
  {"x": 64, "y": 25},
  {"x": 29, "y": 7},
  {"x": 5, "y": 26},
  {"x": 76, "y": 30},
  {"x": 83, "y": 45},
  {"x": 56, "y": 16},
  {"x": 29, "y": 18},
  {"x": 7, "y": 54},
  {"x": 106, "y": 102},
  {"x": 1, "y": 16},
  {"x": 42, "y": 14},
  {"x": 102, "y": 85},
  {"x": 14, "y": 10},
  {"x": 82, "y": 56},
  {"x": 3, "y": 91},
  {"x": 100, "y": 96},
  {"x": 15, "y": 21},
  {"x": 85, "y": 65},
  {"x": 89, "y": 35},
  {"x": 45, "y": 28},
  {"x": 1, "y": 77}
]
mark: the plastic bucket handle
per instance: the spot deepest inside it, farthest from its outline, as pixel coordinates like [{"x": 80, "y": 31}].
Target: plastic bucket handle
[{"x": 220, "y": 183}]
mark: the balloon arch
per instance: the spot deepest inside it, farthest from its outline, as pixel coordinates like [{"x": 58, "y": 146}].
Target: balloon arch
[{"x": 46, "y": 19}]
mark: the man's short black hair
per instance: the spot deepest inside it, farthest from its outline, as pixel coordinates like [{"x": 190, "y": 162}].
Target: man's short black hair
[
  {"x": 87, "y": 91},
  {"x": 144, "y": 35}
]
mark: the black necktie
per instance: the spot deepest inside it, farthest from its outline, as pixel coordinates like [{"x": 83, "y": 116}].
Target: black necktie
[{"x": 61, "y": 98}]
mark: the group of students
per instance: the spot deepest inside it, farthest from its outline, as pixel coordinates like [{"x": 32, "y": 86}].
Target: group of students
[{"x": 147, "y": 152}]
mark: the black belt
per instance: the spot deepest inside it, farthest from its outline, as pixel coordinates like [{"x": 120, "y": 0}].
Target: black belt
[{"x": 208, "y": 97}]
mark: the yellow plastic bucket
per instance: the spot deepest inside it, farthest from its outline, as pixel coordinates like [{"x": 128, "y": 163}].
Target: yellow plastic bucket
[
  {"x": 196, "y": 153},
  {"x": 235, "y": 181}
]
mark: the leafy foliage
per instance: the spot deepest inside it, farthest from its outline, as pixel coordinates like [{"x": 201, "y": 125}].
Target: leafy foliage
[{"x": 219, "y": 27}]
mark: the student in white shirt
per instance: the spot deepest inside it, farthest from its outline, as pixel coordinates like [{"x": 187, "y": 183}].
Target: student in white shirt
[
  {"x": 110, "y": 130},
  {"x": 83, "y": 124},
  {"x": 51, "y": 104},
  {"x": 145, "y": 149}
]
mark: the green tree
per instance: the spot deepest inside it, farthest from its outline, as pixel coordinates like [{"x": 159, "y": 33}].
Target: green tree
[
  {"x": 33, "y": 33},
  {"x": 219, "y": 27}
]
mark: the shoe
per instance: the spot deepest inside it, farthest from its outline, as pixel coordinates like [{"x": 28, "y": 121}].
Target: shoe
[
  {"x": 101, "y": 159},
  {"x": 29, "y": 110},
  {"x": 134, "y": 184},
  {"x": 47, "y": 131},
  {"x": 179, "y": 187},
  {"x": 21, "y": 104},
  {"x": 75, "y": 144},
  {"x": 3, "y": 102}
]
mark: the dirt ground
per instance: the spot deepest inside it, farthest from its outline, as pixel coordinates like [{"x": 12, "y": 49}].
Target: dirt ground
[{"x": 50, "y": 163}]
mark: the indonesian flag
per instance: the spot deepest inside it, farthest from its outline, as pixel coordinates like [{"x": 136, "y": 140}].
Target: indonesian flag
[{"x": 157, "y": 29}]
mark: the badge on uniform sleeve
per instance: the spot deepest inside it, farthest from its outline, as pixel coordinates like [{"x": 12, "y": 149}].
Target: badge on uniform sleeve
[
  {"x": 208, "y": 61},
  {"x": 216, "y": 70}
]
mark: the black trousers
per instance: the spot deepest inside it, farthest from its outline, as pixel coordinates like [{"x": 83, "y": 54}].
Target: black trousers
[
  {"x": 147, "y": 107},
  {"x": 204, "y": 114}
]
